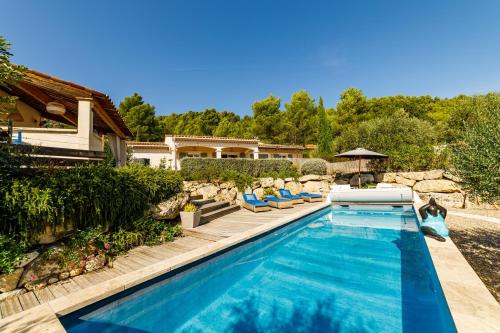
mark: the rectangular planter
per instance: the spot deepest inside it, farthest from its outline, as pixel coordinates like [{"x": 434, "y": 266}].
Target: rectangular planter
[{"x": 190, "y": 220}]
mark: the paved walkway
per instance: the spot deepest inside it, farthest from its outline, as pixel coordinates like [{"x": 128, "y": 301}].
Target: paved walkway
[{"x": 137, "y": 266}]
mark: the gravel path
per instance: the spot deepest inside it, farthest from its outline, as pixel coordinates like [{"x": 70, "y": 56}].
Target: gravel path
[{"x": 479, "y": 242}]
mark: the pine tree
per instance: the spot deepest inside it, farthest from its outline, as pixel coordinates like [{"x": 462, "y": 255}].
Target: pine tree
[{"x": 325, "y": 132}]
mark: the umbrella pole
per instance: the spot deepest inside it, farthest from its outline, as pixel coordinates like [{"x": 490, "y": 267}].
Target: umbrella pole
[{"x": 359, "y": 172}]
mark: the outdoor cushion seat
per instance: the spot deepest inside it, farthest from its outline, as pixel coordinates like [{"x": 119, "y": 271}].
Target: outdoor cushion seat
[
  {"x": 311, "y": 197},
  {"x": 296, "y": 199},
  {"x": 251, "y": 202},
  {"x": 278, "y": 202}
]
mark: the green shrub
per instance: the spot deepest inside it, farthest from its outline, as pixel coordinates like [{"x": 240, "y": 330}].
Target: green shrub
[
  {"x": 11, "y": 252},
  {"x": 408, "y": 141},
  {"x": 85, "y": 196},
  {"x": 241, "y": 180},
  {"x": 269, "y": 191},
  {"x": 314, "y": 167},
  {"x": 476, "y": 154},
  {"x": 213, "y": 168}
]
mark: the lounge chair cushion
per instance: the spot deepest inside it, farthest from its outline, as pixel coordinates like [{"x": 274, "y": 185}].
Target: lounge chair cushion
[
  {"x": 286, "y": 194},
  {"x": 251, "y": 199},
  {"x": 275, "y": 199},
  {"x": 311, "y": 195}
]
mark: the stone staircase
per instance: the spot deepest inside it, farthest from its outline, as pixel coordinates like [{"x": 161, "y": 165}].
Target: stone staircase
[{"x": 211, "y": 209}]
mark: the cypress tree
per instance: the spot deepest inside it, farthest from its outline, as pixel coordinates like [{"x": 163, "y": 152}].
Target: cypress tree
[{"x": 325, "y": 132}]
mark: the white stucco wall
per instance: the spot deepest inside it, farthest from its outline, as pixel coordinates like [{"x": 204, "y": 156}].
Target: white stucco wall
[
  {"x": 154, "y": 155},
  {"x": 30, "y": 117}
]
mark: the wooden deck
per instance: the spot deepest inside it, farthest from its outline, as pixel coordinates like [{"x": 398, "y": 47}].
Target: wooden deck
[{"x": 143, "y": 256}]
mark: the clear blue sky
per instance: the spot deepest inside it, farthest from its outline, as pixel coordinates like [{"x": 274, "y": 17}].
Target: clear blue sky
[{"x": 192, "y": 55}]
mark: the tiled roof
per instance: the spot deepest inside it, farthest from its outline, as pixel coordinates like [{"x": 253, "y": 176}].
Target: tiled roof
[
  {"x": 139, "y": 144},
  {"x": 276, "y": 146},
  {"x": 212, "y": 138}
]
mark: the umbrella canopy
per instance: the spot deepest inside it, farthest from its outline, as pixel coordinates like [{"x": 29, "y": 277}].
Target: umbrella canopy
[{"x": 360, "y": 154}]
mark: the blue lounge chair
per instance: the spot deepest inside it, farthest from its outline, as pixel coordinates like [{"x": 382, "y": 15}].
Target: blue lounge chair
[
  {"x": 278, "y": 202},
  {"x": 251, "y": 202},
  {"x": 295, "y": 199},
  {"x": 311, "y": 197}
]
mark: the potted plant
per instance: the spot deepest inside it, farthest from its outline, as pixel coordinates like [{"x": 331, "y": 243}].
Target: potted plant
[{"x": 190, "y": 216}]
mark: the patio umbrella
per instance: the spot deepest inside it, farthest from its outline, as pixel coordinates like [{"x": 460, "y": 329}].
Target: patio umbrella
[{"x": 359, "y": 154}]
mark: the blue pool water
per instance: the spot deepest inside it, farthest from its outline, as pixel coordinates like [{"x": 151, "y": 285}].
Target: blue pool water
[{"x": 355, "y": 269}]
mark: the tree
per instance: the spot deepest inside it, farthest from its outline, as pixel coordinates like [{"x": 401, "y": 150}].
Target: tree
[
  {"x": 325, "y": 132},
  {"x": 128, "y": 103},
  {"x": 9, "y": 74},
  {"x": 408, "y": 141},
  {"x": 476, "y": 154},
  {"x": 140, "y": 118},
  {"x": 268, "y": 119},
  {"x": 302, "y": 116}
]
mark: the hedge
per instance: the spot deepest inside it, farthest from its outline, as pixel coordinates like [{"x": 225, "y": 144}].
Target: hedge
[
  {"x": 314, "y": 167},
  {"x": 84, "y": 196},
  {"x": 194, "y": 168}
]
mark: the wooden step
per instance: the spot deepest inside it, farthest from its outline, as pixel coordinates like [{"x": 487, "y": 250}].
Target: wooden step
[
  {"x": 195, "y": 197},
  {"x": 210, "y": 207},
  {"x": 205, "y": 218},
  {"x": 201, "y": 202}
]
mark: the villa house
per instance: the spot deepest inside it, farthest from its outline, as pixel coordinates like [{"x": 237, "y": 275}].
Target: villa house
[
  {"x": 175, "y": 147},
  {"x": 54, "y": 113}
]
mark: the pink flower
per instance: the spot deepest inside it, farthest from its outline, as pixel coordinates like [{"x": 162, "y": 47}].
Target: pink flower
[
  {"x": 33, "y": 277},
  {"x": 107, "y": 246},
  {"x": 82, "y": 263}
]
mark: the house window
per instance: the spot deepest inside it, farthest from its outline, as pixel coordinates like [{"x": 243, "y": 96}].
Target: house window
[
  {"x": 263, "y": 156},
  {"x": 290, "y": 156},
  {"x": 204, "y": 155}
]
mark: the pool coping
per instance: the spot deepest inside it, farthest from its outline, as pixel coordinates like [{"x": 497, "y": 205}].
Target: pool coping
[
  {"x": 472, "y": 306},
  {"x": 44, "y": 317}
]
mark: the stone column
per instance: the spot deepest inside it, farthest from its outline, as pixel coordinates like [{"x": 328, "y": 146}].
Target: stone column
[
  {"x": 85, "y": 122},
  {"x": 256, "y": 153},
  {"x": 174, "y": 157},
  {"x": 218, "y": 152}
]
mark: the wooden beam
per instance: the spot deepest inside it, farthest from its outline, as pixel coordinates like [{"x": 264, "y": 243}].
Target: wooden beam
[
  {"x": 42, "y": 98},
  {"x": 60, "y": 87},
  {"x": 107, "y": 119}
]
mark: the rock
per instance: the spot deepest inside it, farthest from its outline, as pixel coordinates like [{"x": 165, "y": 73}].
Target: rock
[
  {"x": 51, "y": 235},
  {"x": 365, "y": 178},
  {"x": 433, "y": 174},
  {"x": 226, "y": 185},
  {"x": 279, "y": 183},
  {"x": 405, "y": 181},
  {"x": 412, "y": 175},
  {"x": 52, "y": 280},
  {"x": 35, "y": 285},
  {"x": 328, "y": 178},
  {"x": 259, "y": 192},
  {"x": 308, "y": 178},
  {"x": 386, "y": 177},
  {"x": 451, "y": 176},
  {"x": 447, "y": 200},
  {"x": 75, "y": 272},
  {"x": 28, "y": 258},
  {"x": 8, "y": 282},
  {"x": 42, "y": 267},
  {"x": 63, "y": 275},
  {"x": 168, "y": 210},
  {"x": 441, "y": 186},
  {"x": 10, "y": 294},
  {"x": 341, "y": 182},
  {"x": 289, "y": 179},
  {"x": 313, "y": 186},
  {"x": 267, "y": 182},
  {"x": 208, "y": 191},
  {"x": 294, "y": 187},
  {"x": 475, "y": 203},
  {"x": 95, "y": 263}
]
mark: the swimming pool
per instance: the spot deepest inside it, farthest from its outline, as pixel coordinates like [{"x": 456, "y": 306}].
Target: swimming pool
[{"x": 342, "y": 269}]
